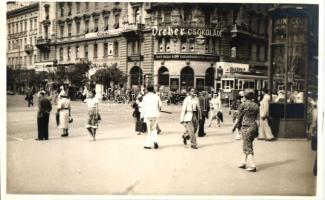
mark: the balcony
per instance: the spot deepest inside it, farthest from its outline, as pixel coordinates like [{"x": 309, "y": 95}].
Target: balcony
[
  {"x": 43, "y": 44},
  {"x": 132, "y": 30},
  {"x": 29, "y": 48},
  {"x": 244, "y": 30}
]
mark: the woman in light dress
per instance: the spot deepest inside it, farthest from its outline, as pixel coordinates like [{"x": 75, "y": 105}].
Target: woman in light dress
[{"x": 64, "y": 109}]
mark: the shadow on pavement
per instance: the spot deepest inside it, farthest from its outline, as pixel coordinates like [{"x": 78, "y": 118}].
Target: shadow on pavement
[
  {"x": 213, "y": 144},
  {"x": 112, "y": 138},
  {"x": 273, "y": 164}
]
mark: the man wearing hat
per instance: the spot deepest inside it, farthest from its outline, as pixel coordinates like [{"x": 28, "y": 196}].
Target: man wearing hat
[{"x": 43, "y": 114}]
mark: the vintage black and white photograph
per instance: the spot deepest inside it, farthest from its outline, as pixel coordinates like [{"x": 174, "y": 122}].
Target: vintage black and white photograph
[{"x": 162, "y": 98}]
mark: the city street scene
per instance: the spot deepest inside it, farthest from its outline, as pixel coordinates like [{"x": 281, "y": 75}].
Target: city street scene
[{"x": 162, "y": 98}]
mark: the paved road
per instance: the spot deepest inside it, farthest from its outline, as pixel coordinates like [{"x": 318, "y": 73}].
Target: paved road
[{"x": 117, "y": 163}]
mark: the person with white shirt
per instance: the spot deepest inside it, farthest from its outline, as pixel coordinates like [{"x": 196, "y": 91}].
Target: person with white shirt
[
  {"x": 93, "y": 114},
  {"x": 190, "y": 116},
  {"x": 151, "y": 104},
  {"x": 215, "y": 105}
]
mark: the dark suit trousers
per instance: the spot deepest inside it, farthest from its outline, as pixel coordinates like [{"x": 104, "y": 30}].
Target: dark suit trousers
[
  {"x": 201, "y": 126},
  {"x": 43, "y": 126}
]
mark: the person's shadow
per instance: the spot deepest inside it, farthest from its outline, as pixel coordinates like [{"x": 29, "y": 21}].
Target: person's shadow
[{"x": 273, "y": 164}]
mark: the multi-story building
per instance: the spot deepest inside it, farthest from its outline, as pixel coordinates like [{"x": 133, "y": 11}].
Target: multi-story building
[
  {"x": 174, "y": 45},
  {"x": 22, "y": 26}
]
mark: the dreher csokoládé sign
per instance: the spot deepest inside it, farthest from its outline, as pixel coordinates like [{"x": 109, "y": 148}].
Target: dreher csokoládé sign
[{"x": 175, "y": 31}]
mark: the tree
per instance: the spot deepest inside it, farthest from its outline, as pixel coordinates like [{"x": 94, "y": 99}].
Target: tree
[{"x": 105, "y": 75}]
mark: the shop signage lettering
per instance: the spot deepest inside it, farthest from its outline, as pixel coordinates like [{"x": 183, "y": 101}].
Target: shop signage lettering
[
  {"x": 171, "y": 31},
  {"x": 236, "y": 69},
  {"x": 112, "y": 31},
  {"x": 185, "y": 57}
]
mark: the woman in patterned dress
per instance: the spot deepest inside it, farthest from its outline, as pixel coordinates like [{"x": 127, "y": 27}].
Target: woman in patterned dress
[
  {"x": 93, "y": 115},
  {"x": 246, "y": 121}
]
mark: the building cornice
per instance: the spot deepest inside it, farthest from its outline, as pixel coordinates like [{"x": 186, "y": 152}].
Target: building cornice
[{"x": 23, "y": 10}]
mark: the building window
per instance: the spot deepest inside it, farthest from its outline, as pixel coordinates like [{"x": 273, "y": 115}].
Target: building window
[
  {"x": 96, "y": 5},
  {"x": 262, "y": 53},
  {"x": 31, "y": 24},
  {"x": 117, "y": 21},
  {"x": 207, "y": 17},
  {"x": 192, "y": 44},
  {"x": 78, "y": 28},
  {"x": 69, "y": 30},
  {"x": 116, "y": 49},
  {"x": 253, "y": 52},
  {"x": 62, "y": 9},
  {"x": 105, "y": 49},
  {"x": 86, "y": 51},
  {"x": 61, "y": 54},
  {"x": 137, "y": 15},
  {"x": 187, "y": 14},
  {"x": 167, "y": 44},
  {"x": 35, "y": 60},
  {"x": 87, "y": 6},
  {"x": 233, "y": 52},
  {"x": 21, "y": 27},
  {"x": 134, "y": 47},
  {"x": 86, "y": 26},
  {"x": 78, "y": 7},
  {"x": 62, "y": 31},
  {"x": 17, "y": 28},
  {"x": 25, "y": 28},
  {"x": 95, "y": 25},
  {"x": 9, "y": 45},
  {"x": 167, "y": 15},
  {"x": 95, "y": 50},
  {"x": 106, "y": 23},
  {"x": 30, "y": 60},
  {"x": 69, "y": 53},
  {"x": 35, "y": 24},
  {"x": 69, "y": 8},
  {"x": 77, "y": 52},
  {"x": 183, "y": 44}
]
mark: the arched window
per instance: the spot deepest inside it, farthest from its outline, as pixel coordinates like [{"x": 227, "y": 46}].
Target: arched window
[
  {"x": 187, "y": 77},
  {"x": 163, "y": 76},
  {"x": 136, "y": 76}
]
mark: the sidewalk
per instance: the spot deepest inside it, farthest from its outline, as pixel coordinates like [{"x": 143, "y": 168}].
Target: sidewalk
[{"x": 118, "y": 164}]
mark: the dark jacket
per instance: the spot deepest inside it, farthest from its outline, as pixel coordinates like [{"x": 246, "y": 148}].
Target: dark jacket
[{"x": 44, "y": 107}]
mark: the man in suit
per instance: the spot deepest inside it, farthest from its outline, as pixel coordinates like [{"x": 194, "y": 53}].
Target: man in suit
[
  {"x": 205, "y": 107},
  {"x": 43, "y": 114},
  {"x": 190, "y": 116}
]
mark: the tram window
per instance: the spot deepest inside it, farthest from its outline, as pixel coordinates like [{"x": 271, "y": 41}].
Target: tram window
[
  {"x": 240, "y": 84},
  {"x": 223, "y": 84},
  {"x": 236, "y": 84},
  {"x": 251, "y": 85},
  {"x": 245, "y": 85},
  {"x": 231, "y": 84}
]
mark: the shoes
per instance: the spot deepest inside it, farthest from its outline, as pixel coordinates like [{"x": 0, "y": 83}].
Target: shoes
[
  {"x": 38, "y": 139},
  {"x": 92, "y": 139},
  {"x": 185, "y": 138},
  {"x": 64, "y": 135},
  {"x": 251, "y": 169},
  {"x": 159, "y": 131},
  {"x": 260, "y": 138},
  {"x": 194, "y": 147},
  {"x": 269, "y": 140},
  {"x": 156, "y": 145},
  {"x": 147, "y": 147},
  {"x": 242, "y": 166}
]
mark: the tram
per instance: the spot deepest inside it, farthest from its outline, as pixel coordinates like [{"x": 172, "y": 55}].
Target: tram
[{"x": 234, "y": 83}]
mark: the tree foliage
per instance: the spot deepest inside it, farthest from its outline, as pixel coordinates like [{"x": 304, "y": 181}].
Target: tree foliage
[{"x": 106, "y": 75}]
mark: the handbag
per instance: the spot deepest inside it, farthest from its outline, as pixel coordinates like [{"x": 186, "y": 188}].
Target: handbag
[{"x": 70, "y": 119}]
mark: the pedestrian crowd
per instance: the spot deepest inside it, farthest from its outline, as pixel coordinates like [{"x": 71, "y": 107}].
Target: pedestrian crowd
[{"x": 250, "y": 119}]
